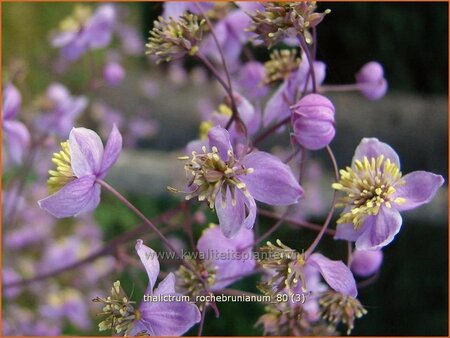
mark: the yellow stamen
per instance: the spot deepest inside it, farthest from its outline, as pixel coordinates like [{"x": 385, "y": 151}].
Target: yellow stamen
[{"x": 63, "y": 173}]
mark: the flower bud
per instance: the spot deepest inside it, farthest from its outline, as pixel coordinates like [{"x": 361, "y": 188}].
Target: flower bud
[
  {"x": 366, "y": 263},
  {"x": 113, "y": 74},
  {"x": 313, "y": 121},
  {"x": 371, "y": 81}
]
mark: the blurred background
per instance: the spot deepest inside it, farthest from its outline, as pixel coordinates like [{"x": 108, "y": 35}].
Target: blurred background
[{"x": 410, "y": 296}]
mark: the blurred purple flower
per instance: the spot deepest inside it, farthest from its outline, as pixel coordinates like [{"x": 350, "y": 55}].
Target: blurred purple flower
[
  {"x": 162, "y": 318},
  {"x": 113, "y": 73},
  {"x": 67, "y": 303},
  {"x": 61, "y": 110},
  {"x": 366, "y": 263},
  {"x": 17, "y": 135},
  {"x": 131, "y": 39},
  {"x": 313, "y": 121},
  {"x": 238, "y": 250},
  {"x": 250, "y": 80},
  {"x": 231, "y": 34},
  {"x": 83, "y": 31},
  {"x": 174, "y": 9},
  {"x": 376, "y": 192},
  {"x": 81, "y": 162},
  {"x": 278, "y": 106},
  {"x": 231, "y": 182},
  {"x": 371, "y": 81}
]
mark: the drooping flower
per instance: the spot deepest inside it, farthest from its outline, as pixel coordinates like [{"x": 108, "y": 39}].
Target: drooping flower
[
  {"x": 313, "y": 121},
  {"x": 16, "y": 132},
  {"x": 83, "y": 31},
  {"x": 371, "y": 81},
  {"x": 162, "y": 318},
  {"x": 366, "y": 263},
  {"x": 59, "y": 110},
  {"x": 81, "y": 161},
  {"x": 376, "y": 192},
  {"x": 230, "y": 182},
  {"x": 230, "y": 258}
]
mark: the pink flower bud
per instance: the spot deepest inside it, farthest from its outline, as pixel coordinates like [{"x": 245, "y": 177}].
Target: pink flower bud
[
  {"x": 366, "y": 263},
  {"x": 371, "y": 81},
  {"x": 113, "y": 74},
  {"x": 313, "y": 121}
]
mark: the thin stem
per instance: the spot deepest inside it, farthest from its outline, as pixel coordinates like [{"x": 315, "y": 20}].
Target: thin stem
[
  {"x": 303, "y": 224},
  {"x": 349, "y": 253},
  {"x": 138, "y": 213},
  {"x": 235, "y": 115},
  {"x": 368, "y": 281},
  {"x": 271, "y": 130},
  {"x": 333, "y": 206},
  {"x": 305, "y": 48},
  {"x": 214, "y": 71},
  {"x": 202, "y": 321},
  {"x": 340, "y": 88}
]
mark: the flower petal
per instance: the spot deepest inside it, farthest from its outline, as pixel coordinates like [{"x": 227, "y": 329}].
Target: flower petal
[
  {"x": 220, "y": 138},
  {"x": 386, "y": 225},
  {"x": 86, "y": 151},
  {"x": 366, "y": 263},
  {"x": 170, "y": 318},
  {"x": 236, "y": 262},
  {"x": 277, "y": 108},
  {"x": 233, "y": 217},
  {"x": 336, "y": 274},
  {"x": 18, "y": 138},
  {"x": 166, "y": 286},
  {"x": 372, "y": 147},
  {"x": 11, "y": 102},
  {"x": 150, "y": 260},
  {"x": 112, "y": 150},
  {"x": 419, "y": 188},
  {"x": 72, "y": 199},
  {"x": 271, "y": 181},
  {"x": 347, "y": 232},
  {"x": 141, "y": 326}
]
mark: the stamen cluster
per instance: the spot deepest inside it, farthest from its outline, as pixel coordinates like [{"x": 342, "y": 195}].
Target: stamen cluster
[
  {"x": 368, "y": 185},
  {"x": 172, "y": 39},
  {"x": 63, "y": 173},
  {"x": 286, "y": 19},
  {"x": 118, "y": 310},
  {"x": 287, "y": 266},
  {"x": 281, "y": 64},
  {"x": 212, "y": 175},
  {"x": 337, "y": 307}
]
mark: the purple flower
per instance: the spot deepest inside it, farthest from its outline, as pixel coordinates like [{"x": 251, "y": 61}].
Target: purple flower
[
  {"x": 174, "y": 9},
  {"x": 278, "y": 106},
  {"x": 371, "y": 81},
  {"x": 230, "y": 182},
  {"x": 16, "y": 132},
  {"x": 79, "y": 164},
  {"x": 250, "y": 80},
  {"x": 62, "y": 109},
  {"x": 376, "y": 192},
  {"x": 83, "y": 31},
  {"x": 162, "y": 318},
  {"x": 313, "y": 121},
  {"x": 230, "y": 258},
  {"x": 366, "y": 263},
  {"x": 232, "y": 36},
  {"x": 113, "y": 73}
]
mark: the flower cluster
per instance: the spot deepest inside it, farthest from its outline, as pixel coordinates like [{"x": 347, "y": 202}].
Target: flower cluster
[{"x": 265, "y": 119}]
